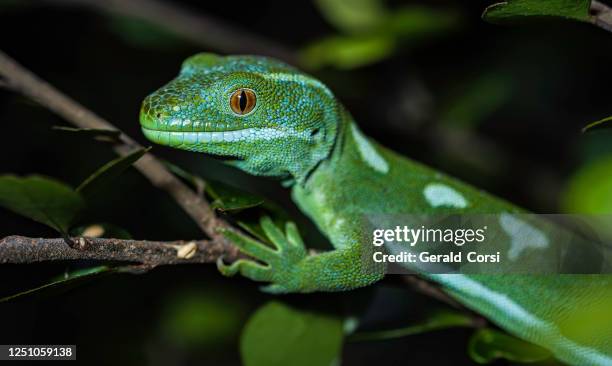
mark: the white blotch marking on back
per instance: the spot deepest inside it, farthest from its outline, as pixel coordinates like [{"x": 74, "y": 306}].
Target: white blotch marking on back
[
  {"x": 319, "y": 196},
  {"x": 368, "y": 152},
  {"x": 522, "y": 235},
  {"x": 338, "y": 223},
  {"x": 522, "y": 321},
  {"x": 350, "y": 324},
  {"x": 438, "y": 195}
]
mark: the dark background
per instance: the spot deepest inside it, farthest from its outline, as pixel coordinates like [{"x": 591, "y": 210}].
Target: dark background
[{"x": 524, "y": 145}]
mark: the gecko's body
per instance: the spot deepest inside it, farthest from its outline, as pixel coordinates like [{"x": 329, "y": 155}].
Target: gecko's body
[{"x": 289, "y": 125}]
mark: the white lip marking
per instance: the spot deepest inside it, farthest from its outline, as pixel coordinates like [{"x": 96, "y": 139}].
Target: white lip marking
[
  {"x": 190, "y": 139},
  {"x": 251, "y": 134}
]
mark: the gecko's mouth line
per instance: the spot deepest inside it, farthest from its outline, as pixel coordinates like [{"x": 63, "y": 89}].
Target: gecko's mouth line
[
  {"x": 189, "y": 137},
  {"x": 176, "y": 138}
]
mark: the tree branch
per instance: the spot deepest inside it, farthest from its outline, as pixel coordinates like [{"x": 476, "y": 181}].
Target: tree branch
[
  {"x": 21, "y": 249},
  {"x": 23, "y": 81},
  {"x": 601, "y": 15},
  {"x": 201, "y": 29}
]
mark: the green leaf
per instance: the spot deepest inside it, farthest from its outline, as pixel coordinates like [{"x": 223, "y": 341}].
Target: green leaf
[
  {"x": 277, "y": 335},
  {"x": 227, "y": 198},
  {"x": 436, "y": 321},
  {"x": 63, "y": 282},
  {"x": 590, "y": 189},
  {"x": 606, "y": 121},
  {"x": 197, "y": 318},
  {"x": 142, "y": 33},
  {"x": 406, "y": 26},
  {"x": 109, "y": 172},
  {"x": 254, "y": 229},
  {"x": 477, "y": 100},
  {"x": 517, "y": 10},
  {"x": 353, "y": 16},
  {"x": 195, "y": 181},
  {"x": 589, "y": 192},
  {"x": 97, "y": 134},
  {"x": 487, "y": 345},
  {"x": 414, "y": 23},
  {"x": 346, "y": 52},
  {"x": 41, "y": 199},
  {"x": 251, "y": 223}
]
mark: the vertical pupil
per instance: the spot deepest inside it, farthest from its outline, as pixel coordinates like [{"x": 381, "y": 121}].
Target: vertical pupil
[{"x": 242, "y": 101}]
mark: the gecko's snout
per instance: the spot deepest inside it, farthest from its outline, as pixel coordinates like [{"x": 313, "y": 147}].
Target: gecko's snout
[
  {"x": 154, "y": 121},
  {"x": 154, "y": 114}
]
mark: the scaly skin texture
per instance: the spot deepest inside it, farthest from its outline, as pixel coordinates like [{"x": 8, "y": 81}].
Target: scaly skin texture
[{"x": 299, "y": 132}]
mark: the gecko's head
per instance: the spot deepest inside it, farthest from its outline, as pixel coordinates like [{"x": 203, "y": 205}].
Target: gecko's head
[{"x": 262, "y": 115}]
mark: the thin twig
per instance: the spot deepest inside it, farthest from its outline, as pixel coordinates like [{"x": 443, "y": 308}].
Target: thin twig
[
  {"x": 601, "y": 15},
  {"x": 435, "y": 323},
  {"x": 23, "y": 81},
  {"x": 426, "y": 288},
  {"x": 434, "y": 291},
  {"x": 201, "y": 29},
  {"x": 21, "y": 249}
]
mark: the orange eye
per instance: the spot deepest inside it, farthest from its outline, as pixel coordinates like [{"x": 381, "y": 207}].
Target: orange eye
[{"x": 243, "y": 101}]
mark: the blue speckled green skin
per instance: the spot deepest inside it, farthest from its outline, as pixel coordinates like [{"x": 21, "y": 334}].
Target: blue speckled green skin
[{"x": 299, "y": 132}]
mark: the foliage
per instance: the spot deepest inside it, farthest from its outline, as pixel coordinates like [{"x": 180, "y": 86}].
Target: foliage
[
  {"x": 477, "y": 99},
  {"x": 223, "y": 197},
  {"x": 436, "y": 321},
  {"x": 54, "y": 203},
  {"x": 486, "y": 345},
  {"x": 141, "y": 33},
  {"x": 278, "y": 335},
  {"x": 58, "y": 206},
  {"x": 62, "y": 283},
  {"x": 353, "y": 16},
  {"x": 369, "y": 32},
  {"x": 201, "y": 317},
  {"x": 41, "y": 199},
  {"x": 108, "y": 173},
  {"x": 227, "y": 198},
  {"x": 98, "y": 134},
  {"x": 196, "y": 182},
  {"x": 590, "y": 189},
  {"x": 605, "y": 122},
  {"x": 517, "y": 10}
]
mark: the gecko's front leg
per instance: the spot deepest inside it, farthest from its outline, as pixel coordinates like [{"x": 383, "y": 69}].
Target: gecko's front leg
[{"x": 288, "y": 267}]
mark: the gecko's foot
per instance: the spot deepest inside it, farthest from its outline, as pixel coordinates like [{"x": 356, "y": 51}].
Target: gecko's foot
[{"x": 279, "y": 263}]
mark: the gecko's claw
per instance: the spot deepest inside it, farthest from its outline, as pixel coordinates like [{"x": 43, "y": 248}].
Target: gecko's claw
[{"x": 279, "y": 262}]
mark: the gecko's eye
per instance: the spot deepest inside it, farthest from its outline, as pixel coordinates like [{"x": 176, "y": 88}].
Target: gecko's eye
[{"x": 243, "y": 101}]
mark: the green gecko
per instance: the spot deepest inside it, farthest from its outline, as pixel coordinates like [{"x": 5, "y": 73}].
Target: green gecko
[{"x": 269, "y": 119}]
